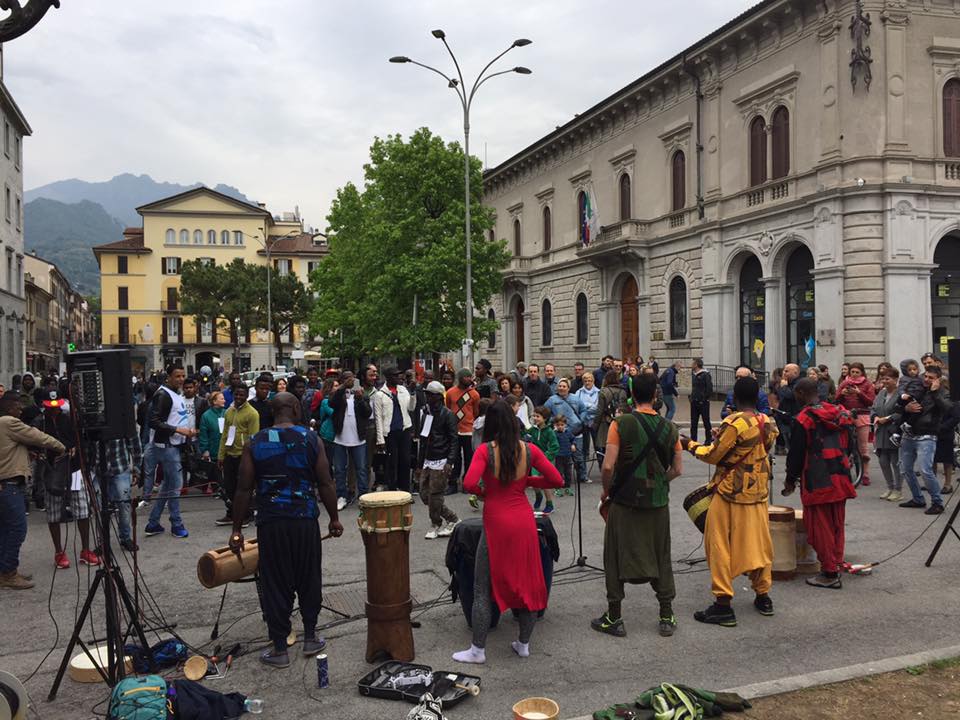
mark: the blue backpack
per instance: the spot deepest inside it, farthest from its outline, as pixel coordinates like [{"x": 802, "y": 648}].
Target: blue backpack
[{"x": 139, "y": 698}]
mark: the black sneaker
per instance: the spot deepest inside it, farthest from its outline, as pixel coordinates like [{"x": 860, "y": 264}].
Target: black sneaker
[
  {"x": 611, "y": 627},
  {"x": 911, "y": 503},
  {"x": 129, "y": 545},
  {"x": 275, "y": 659},
  {"x": 764, "y": 605},
  {"x": 722, "y": 615},
  {"x": 668, "y": 625},
  {"x": 822, "y": 581},
  {"x": 225, "y": 520},
  {"x": 934, "y": 510}
]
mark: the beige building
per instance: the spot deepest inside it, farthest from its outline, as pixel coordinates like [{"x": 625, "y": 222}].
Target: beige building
[
  {"x": 785, "y": 190},
  {"x": 140, "y": 279},
  {"x": 56, "y": 316}
]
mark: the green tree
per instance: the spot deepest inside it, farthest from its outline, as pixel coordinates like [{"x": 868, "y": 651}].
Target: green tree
[
  {"x": 227, "y": 294},
  {"x": 399, "y": 242},
  {"x": 290, "y": 302},
  {"x": 95, "y": 307}
]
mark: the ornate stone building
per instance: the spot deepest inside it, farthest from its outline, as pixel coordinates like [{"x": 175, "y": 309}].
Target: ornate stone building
[{"x": 785, "y": 190}]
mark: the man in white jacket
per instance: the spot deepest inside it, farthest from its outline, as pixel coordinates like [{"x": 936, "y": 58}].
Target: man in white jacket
[{"x": 392, "y": 404}]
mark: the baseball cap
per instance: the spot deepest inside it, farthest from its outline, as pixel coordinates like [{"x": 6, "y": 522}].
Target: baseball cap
[{"x": 435, "y": 387}]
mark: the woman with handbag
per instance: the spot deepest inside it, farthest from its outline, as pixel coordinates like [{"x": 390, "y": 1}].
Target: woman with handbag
[{"x": 737, "y": 533}]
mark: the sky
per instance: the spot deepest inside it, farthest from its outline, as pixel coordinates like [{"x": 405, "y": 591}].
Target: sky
[{"x": 283, "y": 99}]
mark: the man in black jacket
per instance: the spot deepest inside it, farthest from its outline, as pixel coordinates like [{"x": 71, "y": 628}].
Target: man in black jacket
[
  {"x": 261, "y": 401},
  {"x": 700, "y": 393},
  {"x": 535, "y": 388},
  {"x": 351, "y": 418},
  {"x": 439, "y": 447},
  {"x": 922, "y": 416}
]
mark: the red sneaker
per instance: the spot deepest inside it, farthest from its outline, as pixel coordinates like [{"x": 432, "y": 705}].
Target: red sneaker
[
  {"x": 865, "y": 482},
  {"x": 62, "y": 561},
  {"x": 88, "y": 557}
]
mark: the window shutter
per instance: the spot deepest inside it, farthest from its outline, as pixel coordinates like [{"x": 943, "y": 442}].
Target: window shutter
[
  {"x": 781, "y": 143},
  {"x": 178, "y": 266},
  {"x": 625, "y": 209},
  {"x": 758, "y": 152},
  {"x": 180, "y": 337},
  {"x": 951, "y": 118},
  {"x": 163, "y": 331},
  {"x": 199, "y": 326},
  {"x": 547, "y": 229},
  {"x": 679, "y": 181}
]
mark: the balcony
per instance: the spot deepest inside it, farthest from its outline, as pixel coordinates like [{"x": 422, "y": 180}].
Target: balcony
[
  {"x": 620, "y": 242},
  {"x": 518, "y": 272},
  {"x": 770, "y": 192},
  {"x": 170, "y": 307},
  {"x": 123, "y": 340}
]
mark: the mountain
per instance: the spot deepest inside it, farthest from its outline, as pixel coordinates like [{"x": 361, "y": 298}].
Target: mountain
[
  {"x": 64, "y": 233},
  {"x": 120, "y": 196}
]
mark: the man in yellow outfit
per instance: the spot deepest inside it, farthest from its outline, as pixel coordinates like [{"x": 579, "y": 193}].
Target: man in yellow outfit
[{"x": 737, "y": 532}]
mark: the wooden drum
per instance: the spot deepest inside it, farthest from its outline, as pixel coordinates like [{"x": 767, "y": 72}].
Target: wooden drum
[
  {"x": 807, "y": 563},
  {"x": 783, "y": 532},
  {"x": 385, "y": 521},
  {"x": 220, "y": 566}
]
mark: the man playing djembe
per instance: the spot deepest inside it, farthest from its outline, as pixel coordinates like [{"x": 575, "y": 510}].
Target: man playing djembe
[{"x": 287, "y": 468}]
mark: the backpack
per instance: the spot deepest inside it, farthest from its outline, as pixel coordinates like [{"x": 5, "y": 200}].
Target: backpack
[{"x": 139, "y": 698}]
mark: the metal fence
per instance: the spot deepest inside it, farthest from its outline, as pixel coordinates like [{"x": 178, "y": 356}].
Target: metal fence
[{"x": 723, "y": 378}]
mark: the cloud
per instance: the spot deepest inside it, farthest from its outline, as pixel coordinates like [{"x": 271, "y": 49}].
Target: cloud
[{"x": 282, "y": 100}]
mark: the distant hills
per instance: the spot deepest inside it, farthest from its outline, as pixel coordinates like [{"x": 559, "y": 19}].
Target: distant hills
[
  {"x": 121, "y": 195},
  {"x": 64, "y": 219}
]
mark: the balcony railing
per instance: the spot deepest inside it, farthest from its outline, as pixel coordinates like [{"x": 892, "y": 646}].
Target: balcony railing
[
  {"x": 169, "y": 307},
  {"x": 123, "y": 339},
  {"x": 778, "y": 189},
  {"x": 678, "y": 219},
  {"x": 624, "y": 229},
  {"x": 951, "y": 171}
]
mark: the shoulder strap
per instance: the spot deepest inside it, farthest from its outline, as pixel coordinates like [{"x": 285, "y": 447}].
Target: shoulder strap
[{"x": 630, "y": 469}]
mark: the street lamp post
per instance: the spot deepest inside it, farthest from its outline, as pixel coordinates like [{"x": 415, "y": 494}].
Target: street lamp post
[
  {"x": 268, "y": 246},
  {"x": 466, "y": 101}
]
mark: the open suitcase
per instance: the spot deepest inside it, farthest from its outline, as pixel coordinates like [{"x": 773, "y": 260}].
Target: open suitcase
[{"x": 396, "y": 681}]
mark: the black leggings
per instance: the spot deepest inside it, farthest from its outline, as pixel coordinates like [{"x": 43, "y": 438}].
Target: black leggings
[{"x": 482, "y": 601}]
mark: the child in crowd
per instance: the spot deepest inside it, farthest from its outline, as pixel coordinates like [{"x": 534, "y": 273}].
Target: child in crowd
[
  {"x": 566, "y": 447},
  {"x": 910, "y": 387},
  {"x": 543, "y": 436}
]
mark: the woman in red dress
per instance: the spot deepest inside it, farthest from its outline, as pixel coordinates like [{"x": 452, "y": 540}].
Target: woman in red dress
[{"x": 508, "y": 566}]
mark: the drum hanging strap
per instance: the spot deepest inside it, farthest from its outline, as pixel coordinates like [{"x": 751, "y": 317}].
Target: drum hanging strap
[{"x": 630, "y": 469}]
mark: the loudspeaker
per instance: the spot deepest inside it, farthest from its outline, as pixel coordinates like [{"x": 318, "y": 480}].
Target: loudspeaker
[
  {"x": 102, "y": 394},
  {"x": 953, "y": 368}
]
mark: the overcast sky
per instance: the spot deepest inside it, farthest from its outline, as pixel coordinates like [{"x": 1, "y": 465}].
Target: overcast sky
[{"x": 282, "y": 99}]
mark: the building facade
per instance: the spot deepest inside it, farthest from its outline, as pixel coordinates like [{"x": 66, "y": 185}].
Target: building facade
[
  {"x": 57, "y": 317},
  {"x": 13, "y": 309},
  {"x": 140, "y": 279},
  {"x": 785, "y": 190}
]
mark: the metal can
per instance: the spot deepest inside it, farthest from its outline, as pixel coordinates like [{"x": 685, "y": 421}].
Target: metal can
[{"x": 323, "y": 672}]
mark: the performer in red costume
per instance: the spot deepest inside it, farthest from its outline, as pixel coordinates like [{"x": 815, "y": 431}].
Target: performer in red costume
[{"x": 508, "y": 556}]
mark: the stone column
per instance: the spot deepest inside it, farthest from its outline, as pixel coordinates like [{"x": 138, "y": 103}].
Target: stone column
[
  {"x": 720, "y": 346},
  {"x": 829, "y": 135},
  {"x": 907, "y": 298},
  {"x": 828, "y": 311},
  {"x": 895, "y": 42},
  {"x": 643, "y": 322},
  {"x": 775, "y": 350},
  {"x": 863, "y": 242},
  {"x": 508, "y": 350},
  {"x": 609, "y": 327},
  {"x": 528, "y": 344}
]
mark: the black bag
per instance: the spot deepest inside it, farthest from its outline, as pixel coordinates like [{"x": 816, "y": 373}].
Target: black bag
[
  {"x": 55, "y": 476},
  {"x": 192, "y": 701}
]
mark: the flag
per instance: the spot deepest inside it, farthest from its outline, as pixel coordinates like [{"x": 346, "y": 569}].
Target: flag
[
  {"x": 590, "y": 230},
  {"x": 810, "y": 345},
  {"x": 758, "y": 348}
]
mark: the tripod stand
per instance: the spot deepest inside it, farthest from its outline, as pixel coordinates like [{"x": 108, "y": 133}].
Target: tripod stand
[
  {"x": 943, "y": 536},
  {"x": 581, "y": 561},
  {"x": 108, "y": 577}
]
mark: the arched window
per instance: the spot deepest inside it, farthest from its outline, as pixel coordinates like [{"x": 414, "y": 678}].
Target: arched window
[
  {"x": 951, "y": 118},
  {"x": 517, "y": 239},
  {"x": 198, "y": 237},
  {"x": 584, "y": 231},
  {"x": 547, "y": 229},
  {"x": 625, "y": 208},
  {"x": 492, "y": 235},
  {"x": 679, "y": 176},
  {"x": 211, "y": 237},
  {"x": 781, "y": 142},
  {"x": 225, "y": 237},
  {"x": 184, "y": 237},
  {"x": 678, "y": 309},
  {"x": 171, "y": 237},
  {"x": 583, "y": 320},
  {"x": 546, "y": 324},
  {"x": 492, "y": 337},
  {"x": 758, "y": 152},
  {"x": 238, "y": 237}
]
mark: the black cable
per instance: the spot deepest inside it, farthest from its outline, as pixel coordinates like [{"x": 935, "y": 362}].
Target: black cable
[{"x": 916, "y": 539}]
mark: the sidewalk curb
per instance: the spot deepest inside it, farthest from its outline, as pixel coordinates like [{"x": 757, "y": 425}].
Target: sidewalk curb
[{"x": 793, "y": 683}]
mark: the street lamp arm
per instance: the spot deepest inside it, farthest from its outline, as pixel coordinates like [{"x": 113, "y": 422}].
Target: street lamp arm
[
  {"x": 450, "y": 81},
  {"x": 456, "y": 64},
  {"x": 476, "y": 83},
  {"x": 482, "y": 81}
]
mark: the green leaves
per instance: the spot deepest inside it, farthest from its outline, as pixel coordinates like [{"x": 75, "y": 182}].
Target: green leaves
[{"x": 398, "y": 243}]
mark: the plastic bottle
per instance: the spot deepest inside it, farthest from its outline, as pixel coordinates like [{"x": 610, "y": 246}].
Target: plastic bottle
[{"x": 254, "y": 706}]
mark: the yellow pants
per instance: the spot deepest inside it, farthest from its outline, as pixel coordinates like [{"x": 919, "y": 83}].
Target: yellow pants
[{"x": 737, "y": 541}]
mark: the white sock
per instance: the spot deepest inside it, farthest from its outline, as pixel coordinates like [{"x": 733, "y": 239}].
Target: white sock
[
  {"x": 521, "y": 649},
  {"x": 475, "y": 655}
]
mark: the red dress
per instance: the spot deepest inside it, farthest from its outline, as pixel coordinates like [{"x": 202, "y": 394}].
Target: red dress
[{"x": 516, "y": 573}]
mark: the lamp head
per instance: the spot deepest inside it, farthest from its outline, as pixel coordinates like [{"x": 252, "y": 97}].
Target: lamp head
[
  {"x": 522, "y": 42},
  {"x": 522, "y": 70},
  {"x": 438, "y": 34},
  {"x": 399, "y": 59}
]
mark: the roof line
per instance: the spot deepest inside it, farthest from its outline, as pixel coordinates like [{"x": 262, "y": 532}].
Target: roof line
[
  {"x": 636, "y": 84},
  {"x": 17, "y": 113},
  {"x": 203, "y": 188}
]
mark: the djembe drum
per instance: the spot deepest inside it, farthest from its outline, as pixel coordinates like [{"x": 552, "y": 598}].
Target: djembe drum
[
  {"x": 385, "y": 521},
  {"x": 220, "y": 566}
]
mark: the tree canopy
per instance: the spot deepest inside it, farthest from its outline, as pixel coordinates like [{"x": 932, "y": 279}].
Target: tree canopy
[{"x": 399, "y": 242}]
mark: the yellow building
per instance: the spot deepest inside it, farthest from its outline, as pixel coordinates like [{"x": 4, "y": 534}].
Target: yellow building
[{"x": 140, "y": 278}]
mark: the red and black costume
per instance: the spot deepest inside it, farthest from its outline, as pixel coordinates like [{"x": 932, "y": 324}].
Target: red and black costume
[{"x": 818, "y": 459}]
